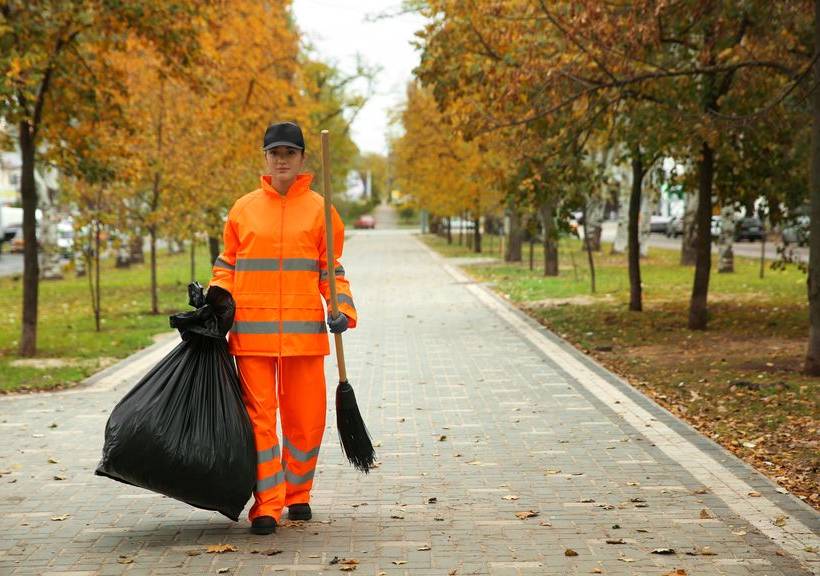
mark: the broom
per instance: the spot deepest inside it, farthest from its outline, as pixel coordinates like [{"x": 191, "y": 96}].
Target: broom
[{"x": 353, "y": 434}]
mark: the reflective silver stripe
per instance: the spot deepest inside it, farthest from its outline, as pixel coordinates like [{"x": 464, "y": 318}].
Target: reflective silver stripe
[
  {"x": 300, "y": 455},
  {"x": 300, "y": 265},
  {"x": 345, "y": 299},
  {"x": 340, "y": 271},
  {"x": 270, "y": 481},
  {"x": 288, "y": 327},
  {"x": 299, "y": 327},
  {"x": 294, "y": 478},
  {"x": 274, "y": 265},
  {"x": 220, "y": 263},
  {"x": 263, "y": 456}
]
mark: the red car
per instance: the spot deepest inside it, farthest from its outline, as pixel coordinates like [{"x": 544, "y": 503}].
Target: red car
[{"x": 366, "y": 221}]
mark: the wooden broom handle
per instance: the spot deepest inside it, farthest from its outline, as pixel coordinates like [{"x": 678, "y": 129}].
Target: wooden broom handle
[{"x": 331, "y": 254}]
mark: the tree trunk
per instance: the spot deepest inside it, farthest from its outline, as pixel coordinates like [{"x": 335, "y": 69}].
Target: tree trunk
[
  {"x": 547, "y": 210},
  {"x": 762, "y": 248},
  {"x": 514, "y": 240},
  {"x": 812, "y": 365},
  {"x": 135, "y": 253},
  {"x": 726, "y": 254},
  {"x": 193, "y": 258},
  {"x": 152, "y": 232},
  {"x": 461, "y": 230},
  {"x": 593, "y": 223},
  {"x": 588, "y": 244},
  {"x": 633, "y": 242},
  {"x": 698, "y": 312},
  {"x": 97, "y": 300},
  {"x": 213, "y": 247},
  {"x": 477, "y": 236},
  {"x": 621, "y": 242},
  {"x": 449, "y": 230},
  {"x": 689, "y": 240},
  {"x": 532, "y": 252},
  {"x": 31, "y": 267}
]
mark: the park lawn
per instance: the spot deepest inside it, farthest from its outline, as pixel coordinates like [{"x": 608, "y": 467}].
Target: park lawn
[
  {"x": 738, "y": 382},
  {"x": 69, "y": 348}
]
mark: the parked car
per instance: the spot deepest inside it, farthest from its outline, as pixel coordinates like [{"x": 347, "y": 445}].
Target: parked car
[
  {"x": 750, "y": 229},
  {"x": 659, "y": 223},
  {"x": 797, "y": 232},
  {"x": 16, "y": 240},
  {"x": 365, "y": 222},
  {"x": 674, "y": 227}
]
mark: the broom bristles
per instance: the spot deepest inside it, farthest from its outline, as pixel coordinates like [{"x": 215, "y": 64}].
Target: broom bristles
[{"x": 353, "y": 434}]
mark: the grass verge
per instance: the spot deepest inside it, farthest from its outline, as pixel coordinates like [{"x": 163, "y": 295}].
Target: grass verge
[
  {"x": 739, "y": 382},
  {"x": 69, "y": 347}
]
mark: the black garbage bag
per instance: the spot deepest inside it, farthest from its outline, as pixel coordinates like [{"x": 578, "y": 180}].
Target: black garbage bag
[{"x": 183, "y": 430}]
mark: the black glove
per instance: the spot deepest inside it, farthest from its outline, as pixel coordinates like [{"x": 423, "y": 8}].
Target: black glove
[
  {"x": 213, "y": 316},
  {"x": 337, "y": 325},
  {"x": 224, "y": 307}
]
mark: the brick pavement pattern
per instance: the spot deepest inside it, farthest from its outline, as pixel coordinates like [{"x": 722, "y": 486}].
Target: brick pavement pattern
[{"x": 475, "y": 426}]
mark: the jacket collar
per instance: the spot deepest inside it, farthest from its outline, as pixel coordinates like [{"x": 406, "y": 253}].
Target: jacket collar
[{"x": 300, "y": 186}]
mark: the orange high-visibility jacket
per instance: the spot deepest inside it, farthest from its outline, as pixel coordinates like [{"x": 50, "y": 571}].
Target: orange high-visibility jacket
[{"x": 274, "y": 263}]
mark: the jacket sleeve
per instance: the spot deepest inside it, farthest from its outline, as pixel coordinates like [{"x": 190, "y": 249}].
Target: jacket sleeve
[
  {"x": 225, "y": 265},
  {"x": 343, "y": 294}
]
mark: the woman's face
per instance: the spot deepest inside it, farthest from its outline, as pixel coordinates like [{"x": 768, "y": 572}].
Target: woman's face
[{"x": 284, "y": 163}]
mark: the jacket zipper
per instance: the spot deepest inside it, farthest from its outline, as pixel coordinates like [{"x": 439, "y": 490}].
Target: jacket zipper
[{"x": 281, "y": 270}]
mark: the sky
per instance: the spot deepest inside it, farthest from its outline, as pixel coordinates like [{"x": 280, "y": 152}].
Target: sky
[{"x": 338, "y": 30}]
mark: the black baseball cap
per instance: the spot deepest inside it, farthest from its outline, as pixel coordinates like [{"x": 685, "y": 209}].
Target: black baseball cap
[{"x": 283, "y": 134}]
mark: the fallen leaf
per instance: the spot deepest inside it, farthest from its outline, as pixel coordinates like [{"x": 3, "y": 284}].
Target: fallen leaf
[
  {"x": 510, "y": 497},
  {"x": 704, "y": 514},
  {"x": 60, "y": 518},
  {"x": 223, "y": 571},
  {"x": 663, "y": 551},
  {"x": 193, "y": 553},
  {"x": 424, "y": 548},
  {"x": 349, "y": 561},
  {"x": 221, "y": 548},
  {"x": 754, "y": 494},
  {"x": 552, "y": 471},
  {"x": 526, "y": 514},
  {"x": 780, "y": 521},
  {"x": 397, "y": 517},
  {"x": 52, "y": 425},
  {"x": 544, "y": 523},
  {"x": 452, "y": 572},
  {"x": 570, "y": 552},
  {"x": 615, "y": 541},
  {"x": 53, "y": 461},
  {"x": 597, "y": 571},
  {"x": 442, "y": 438},
  {"x": 432, "y": 500},
  {"x": 439, "y": 518},
  {"x": 739, "y": 533},
  {"x": 59, "y": 477},
  {"x": 399, "y": 562},
  {"x": 348, "y": 568},
  {"x": 125, "y": 560},
  {"x": 703, "y": 551},
  {"x": 626, "y": 559},
  {"x": 676, "y": 572},
  {"x": 701, "y": 491},
  {"x": 637, "y": 500},
  {"x": 587, "y": 501},
  {"x": 335, "y": 560}
]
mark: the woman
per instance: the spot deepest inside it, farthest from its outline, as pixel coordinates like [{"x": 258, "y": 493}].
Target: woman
[{"x": 275, "y": 265}]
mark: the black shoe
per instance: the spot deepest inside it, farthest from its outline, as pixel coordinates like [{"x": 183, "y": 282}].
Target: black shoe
[
  {"x": 263, "y": 525},
  {"x": 299, "y": 512}
]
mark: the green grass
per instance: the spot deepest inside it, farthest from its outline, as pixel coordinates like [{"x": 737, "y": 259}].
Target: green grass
[{"x": 66, "y": 322}]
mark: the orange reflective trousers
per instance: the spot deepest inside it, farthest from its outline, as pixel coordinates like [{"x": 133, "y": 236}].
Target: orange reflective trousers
[{"x": 284, "y": 471}]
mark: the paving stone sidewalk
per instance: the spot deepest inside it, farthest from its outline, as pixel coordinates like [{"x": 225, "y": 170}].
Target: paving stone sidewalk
[{"x": 481, "y": 419}]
